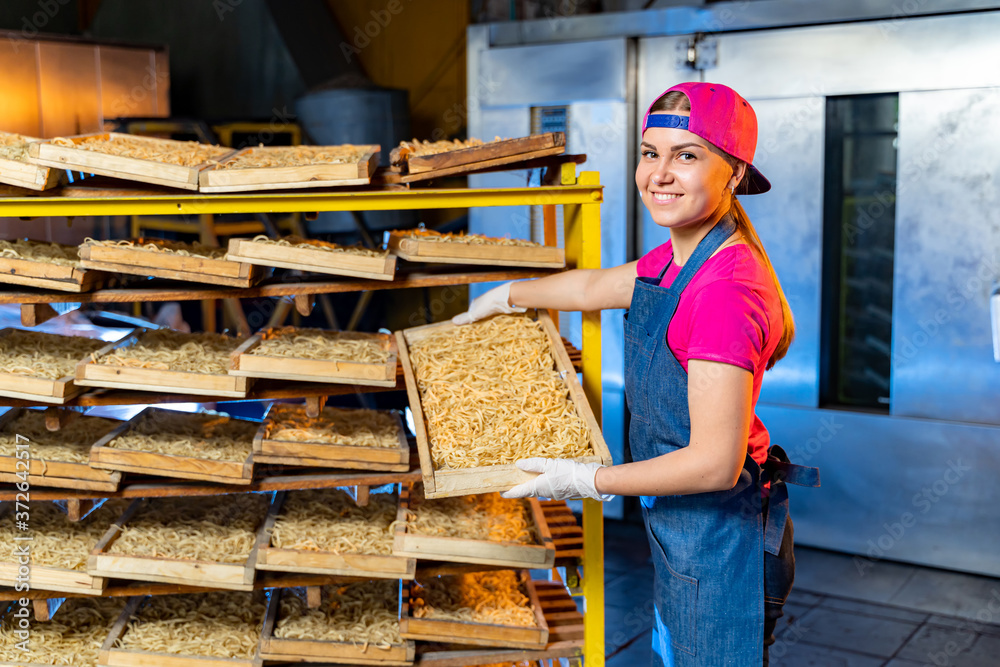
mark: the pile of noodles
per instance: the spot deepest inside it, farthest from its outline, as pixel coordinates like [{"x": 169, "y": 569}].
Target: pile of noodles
[
  {"x": 181, "y": 248},
  {"x": 364, "y": 613},
  {"x": 202, "y": 436},
  {"x": 333, "y": 426},
  {"x": 57, "y": 541},
  {"x": 487, "y": 517},
  {"x": 70, "y": 444},
  {"x": 494, "y": 598},
  {"x": 491, "y": 395},
  {"x": 14, "y": 146},
  {"x": 467, "y": 239},
  {"x": 323, "y": 345},
  {"x": 220, "y": 529},
  {"x": 218, "y": 625},
  {"x": 44, "y": 355},
  {"x": 313, "y": 244},
  {"x": 73, "y": 636},
  {"x": 167, "y": 350},
  {"x": 168, "y": 151},
  {"x": 330, "y": 520},
  {"x": 295, "y": 156},
  {"x": 39, "y": 251}
]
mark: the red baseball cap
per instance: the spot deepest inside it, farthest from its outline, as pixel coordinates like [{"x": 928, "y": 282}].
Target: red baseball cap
[{"x": 718, "y": 115}]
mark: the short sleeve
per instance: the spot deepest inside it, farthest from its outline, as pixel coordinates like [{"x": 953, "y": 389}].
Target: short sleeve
[
  {"x": 652, "y": 262},
  {"x": 728, "y": 324}
]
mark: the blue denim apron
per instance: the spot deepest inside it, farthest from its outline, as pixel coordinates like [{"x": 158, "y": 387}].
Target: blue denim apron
[{"x": 707, "y": 548}]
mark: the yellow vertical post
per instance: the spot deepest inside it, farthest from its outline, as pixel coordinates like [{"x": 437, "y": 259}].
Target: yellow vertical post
[{"x": 583, "y": 244}]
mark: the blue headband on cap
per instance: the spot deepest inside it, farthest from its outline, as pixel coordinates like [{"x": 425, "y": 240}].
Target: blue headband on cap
[{"x": 667, "y": 120}]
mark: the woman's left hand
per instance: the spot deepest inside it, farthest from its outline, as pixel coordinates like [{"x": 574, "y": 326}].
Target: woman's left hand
[{"x": 560, "y": 479}]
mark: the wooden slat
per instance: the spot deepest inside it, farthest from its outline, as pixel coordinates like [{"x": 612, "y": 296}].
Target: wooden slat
[
  {"x": 318, "y": 175},
  {"x": 418, "y": 249},
  {"x": 507, "y": 161},
  {"x": 485, "y": 152},
  {"x": 313, "y": 260}
]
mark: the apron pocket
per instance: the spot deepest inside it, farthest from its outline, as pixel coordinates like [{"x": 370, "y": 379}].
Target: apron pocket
[{"x": 676, "y": 597}]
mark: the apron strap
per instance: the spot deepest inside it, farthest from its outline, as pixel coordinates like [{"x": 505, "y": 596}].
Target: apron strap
[
  {"x": 780, "y": 471},
  {"x": 716, "y": 236}
]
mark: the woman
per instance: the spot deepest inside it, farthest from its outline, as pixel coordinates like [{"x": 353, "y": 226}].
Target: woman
[{"x": 707, "y": 316}]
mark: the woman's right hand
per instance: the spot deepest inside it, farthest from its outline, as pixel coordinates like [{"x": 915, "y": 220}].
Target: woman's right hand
[{"x": 494, "y": 302}]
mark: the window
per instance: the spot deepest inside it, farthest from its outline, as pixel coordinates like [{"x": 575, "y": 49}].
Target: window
[{"x": 859, "y": 216}]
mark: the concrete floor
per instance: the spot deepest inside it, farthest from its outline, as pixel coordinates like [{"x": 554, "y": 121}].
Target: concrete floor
[{"x": 893, "y": 614}]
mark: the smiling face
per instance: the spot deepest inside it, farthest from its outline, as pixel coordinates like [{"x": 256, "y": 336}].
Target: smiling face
[{"x": 682, "y": 178}]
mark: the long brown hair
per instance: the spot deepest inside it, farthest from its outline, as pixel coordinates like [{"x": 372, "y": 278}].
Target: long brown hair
[{"x": 678, "y": 101}]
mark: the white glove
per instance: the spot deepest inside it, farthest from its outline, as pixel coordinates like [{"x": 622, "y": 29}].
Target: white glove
[
  {"x": 494, "y": 302},
  {"x": 560, "y": 479}
]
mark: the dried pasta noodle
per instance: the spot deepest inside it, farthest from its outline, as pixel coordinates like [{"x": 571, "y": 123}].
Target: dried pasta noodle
[
  {"x": 329, "y": 520},
  {"x": 39, "y": 251},
  {"x": 417, "y": 148},
  {"x": 57, "y": 541},
  {"x": 167, "y": 350},
  {"x": 365, "y": 613},
  {"x": 334, "y": 426},
  {"x": 468, "y": 239},
  {"x": 314, "y": 244},
  {"x": 181, "y": 248},
  {"x": 323, "y": 345},
  {"x": 491, "y": 395},
  {"x": 495, "y": 598},
  {"x": 480, "y": 517},
  {"x": 217, "y": 624},
  {"x": 220, "y": 529},
  {"x": 72, "y": 637},
  {"x": 295, "y": 156},
  {"x": 44, "y": 355},
  {"x": 70, "y": 444},
  {"x": 182, "y": 153},
  {"x": 14, "y": 146},
  {"x": 211, "y": 437}
]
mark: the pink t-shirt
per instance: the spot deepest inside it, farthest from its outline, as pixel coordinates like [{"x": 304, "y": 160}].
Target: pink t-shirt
[{"x": 730, "y": 312}]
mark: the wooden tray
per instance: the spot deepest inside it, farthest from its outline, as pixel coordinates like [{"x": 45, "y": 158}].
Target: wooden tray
[
  {"x": 126, "y": 168},
  {"x": 92, "y": 374},
  {"x": 139, "y": 262},
  {"x": 42, "y": 390},
  {"x": 215, "y": 179},
  {"x": 565, "y": 625},
  {"x": 517, "y": 149},
  {"x": 167, "y": 465},
  {"x": 422, "y": 250},
  {"x": 59, "y": 474},
  {"x": 120, "y": 657},
  {"x": 28, "y": 175},
  {"x": 313, "y": 260},
  {"x": 208, "y": 574},
  {"x": 318, "y": 454},
  {"x": 483, "y": 552},
  {"x": 318, "y": 650},
  {"x": 375, "y": 566},
  {"x": 36, "y": 273},
  {"x": 47, "y": 577},
  {"x": 245, "y": 364},
  {"x": 476, "y": 634},
  {"x": 483, "y": 479}
]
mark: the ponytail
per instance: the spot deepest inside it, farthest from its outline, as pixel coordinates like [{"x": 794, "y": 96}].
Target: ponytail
[{"x": 745, "y": 227}]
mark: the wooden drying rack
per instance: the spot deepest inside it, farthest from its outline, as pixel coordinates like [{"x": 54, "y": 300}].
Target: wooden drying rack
[{"x": 580, "y": 199}]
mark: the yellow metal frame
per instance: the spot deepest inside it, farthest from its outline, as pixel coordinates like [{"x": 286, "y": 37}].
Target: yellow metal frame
[{"x": 580, "y": 198}]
